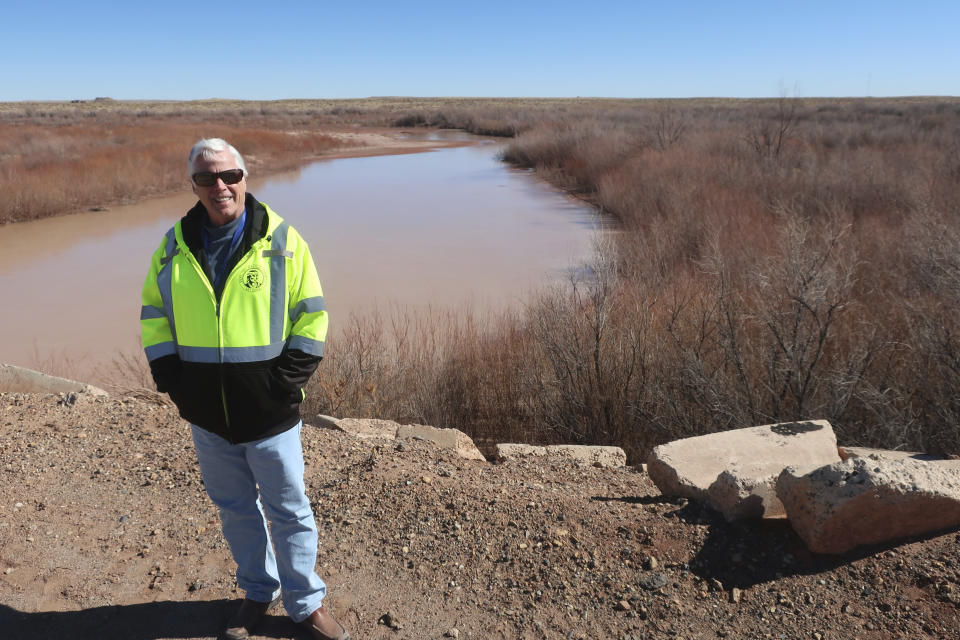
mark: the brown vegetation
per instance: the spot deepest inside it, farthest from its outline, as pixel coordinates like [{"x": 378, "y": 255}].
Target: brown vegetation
[
  {"x": 48, "y": 170},
  {"x": 774, "y": 260}
]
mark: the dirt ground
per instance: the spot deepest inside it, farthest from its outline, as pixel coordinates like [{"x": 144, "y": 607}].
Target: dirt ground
[
  {"x": 106, "y": 532},
  {"x": 377, "y": 142}
]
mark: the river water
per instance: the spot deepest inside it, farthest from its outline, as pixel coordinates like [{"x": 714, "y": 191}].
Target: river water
[{"x": 449, "y": 228}]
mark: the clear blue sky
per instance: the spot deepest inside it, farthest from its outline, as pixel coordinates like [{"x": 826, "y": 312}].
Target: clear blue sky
[{"x": 275, "y": 49}]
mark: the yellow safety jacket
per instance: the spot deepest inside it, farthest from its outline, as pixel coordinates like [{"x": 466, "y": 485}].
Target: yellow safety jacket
[{"x": 236, "y": 365}]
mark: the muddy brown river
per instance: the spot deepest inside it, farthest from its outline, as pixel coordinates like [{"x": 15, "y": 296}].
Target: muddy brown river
[{"x": 449, "y": 228}]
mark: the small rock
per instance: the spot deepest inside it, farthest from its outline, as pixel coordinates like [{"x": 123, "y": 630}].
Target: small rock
[
  {"x": 735, "y": 595},
  {"x": 654, "y": 581},
  {"x": 389, "y": 619},
  {"x": 623, "y": 605},
  {"x": 453, "y": 633}
]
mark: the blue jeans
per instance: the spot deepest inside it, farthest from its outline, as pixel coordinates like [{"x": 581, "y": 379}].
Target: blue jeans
[{"x": 232, "y": 474}]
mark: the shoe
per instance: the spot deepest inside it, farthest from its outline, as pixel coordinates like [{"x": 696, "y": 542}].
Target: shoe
[
  {"x": 247, "y": 617},
  {"x": 322, "y": 626}
]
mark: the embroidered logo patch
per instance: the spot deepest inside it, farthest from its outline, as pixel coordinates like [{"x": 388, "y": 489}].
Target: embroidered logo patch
[{"x": 252, "y": 279}]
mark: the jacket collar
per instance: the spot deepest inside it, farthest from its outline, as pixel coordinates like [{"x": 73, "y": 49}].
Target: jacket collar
[{"x": 254, "y": 228}]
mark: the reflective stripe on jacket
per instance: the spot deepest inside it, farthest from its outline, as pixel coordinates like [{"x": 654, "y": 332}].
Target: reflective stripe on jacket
[{"x": 230, "y": 350}]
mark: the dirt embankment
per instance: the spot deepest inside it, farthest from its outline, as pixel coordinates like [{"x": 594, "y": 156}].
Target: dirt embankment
[
  {"x": 106, "y": 532},
  {"x": 379, "y": 142}
]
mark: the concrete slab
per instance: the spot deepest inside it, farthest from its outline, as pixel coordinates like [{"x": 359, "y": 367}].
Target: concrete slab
[
  {"x": 752, "y": 457},
  {"x": 870, "y": 500},
  {"x": 14, "y": 379}
]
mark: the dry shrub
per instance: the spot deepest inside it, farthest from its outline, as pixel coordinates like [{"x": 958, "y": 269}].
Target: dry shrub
[
  {"x": 930, "y": 376},
  {"x": 571, "y": 368},
  {"x": 445, "y": 368},
  {"x": 784, "y": 289},
  {"x": 47, "y": 171},
  {"x": 593, "y": 354},
  {"x": 128, "y": 375},
  {"x": 576, "y": 153}
]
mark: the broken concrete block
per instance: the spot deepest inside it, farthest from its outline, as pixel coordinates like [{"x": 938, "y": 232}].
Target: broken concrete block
[
  {"x": 748, "y": 491},
  {"x": 326, "y": 422},
  {"x": 603, "y": 457},
  {"x": 14, "y": 379},
  {"x": 687, "y": 468},
  {"x": 870, "y": 500},
  {"x": 516, "y": 451},
  {"x": 366, "y": 428},
  {"x": 452, "y": 439}
]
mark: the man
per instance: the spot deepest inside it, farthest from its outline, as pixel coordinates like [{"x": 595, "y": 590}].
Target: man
[{"x": 233, "y": 325}]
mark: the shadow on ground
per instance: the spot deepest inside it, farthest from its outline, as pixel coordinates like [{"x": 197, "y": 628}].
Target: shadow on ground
[
  {"x": 750, "y": 552},
  {"x": 658, "y": 499},
  {"x": 146, "y": 621}
]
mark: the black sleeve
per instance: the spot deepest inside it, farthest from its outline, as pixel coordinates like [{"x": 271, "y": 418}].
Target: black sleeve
[
  {"x": 294, "y": 368},
  {"x": 165, "y": 371}
]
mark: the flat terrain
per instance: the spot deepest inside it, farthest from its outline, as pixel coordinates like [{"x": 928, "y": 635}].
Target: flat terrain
[{"x": 105, "y": 532}]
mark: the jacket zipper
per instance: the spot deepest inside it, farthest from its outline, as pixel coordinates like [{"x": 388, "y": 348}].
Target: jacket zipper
[
  {"x": 219, "y": 301},
  {"x": 223, "y": 388},
  {"x": 217, "y": 305}
]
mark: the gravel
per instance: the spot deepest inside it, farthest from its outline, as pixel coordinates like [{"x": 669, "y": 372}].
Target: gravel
[{"x": 106, "y": 532}]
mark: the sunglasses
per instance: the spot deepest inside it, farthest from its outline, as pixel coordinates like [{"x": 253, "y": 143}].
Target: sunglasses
[{"x": 208, "y": 178}]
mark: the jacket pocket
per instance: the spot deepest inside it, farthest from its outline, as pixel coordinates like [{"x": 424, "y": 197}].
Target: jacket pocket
[
  {"x": 255, "y": 399},
  {"x": 196, "y": 392},
  {"x": 283, "y": 390}
]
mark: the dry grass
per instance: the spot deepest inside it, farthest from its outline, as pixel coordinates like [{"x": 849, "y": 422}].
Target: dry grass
[{"x": 49, "y": 170}]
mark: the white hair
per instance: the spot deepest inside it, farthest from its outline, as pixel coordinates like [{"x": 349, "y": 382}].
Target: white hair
[{"x": 209, "y": 147}]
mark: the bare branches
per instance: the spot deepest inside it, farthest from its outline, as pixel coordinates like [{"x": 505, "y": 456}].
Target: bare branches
[
  {"x": 814, "y": 283},
  {"x": 766, "y": 136},
  {"x": 671, "y": 125}
]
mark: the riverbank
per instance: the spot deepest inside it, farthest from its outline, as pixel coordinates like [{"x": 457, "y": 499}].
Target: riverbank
[{"x": 50, "y": 171}]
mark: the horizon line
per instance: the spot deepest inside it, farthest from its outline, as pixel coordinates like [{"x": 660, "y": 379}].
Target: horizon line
[{"x": 464, "y": 97}]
